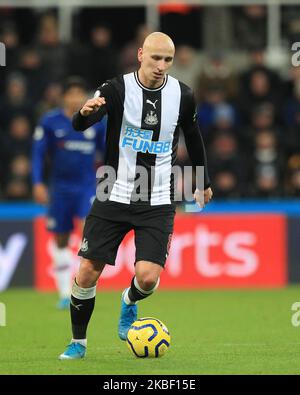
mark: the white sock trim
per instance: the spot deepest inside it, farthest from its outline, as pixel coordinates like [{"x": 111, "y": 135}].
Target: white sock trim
[
  {"x": 83, "y": 342},
  {"x": 126, "y": 298},
  {"x": 142, "y": 290},
  {"x": 83, "y": 293}
]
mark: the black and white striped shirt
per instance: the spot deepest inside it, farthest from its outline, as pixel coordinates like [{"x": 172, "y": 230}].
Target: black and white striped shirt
[{"x": 143, "y": 130}]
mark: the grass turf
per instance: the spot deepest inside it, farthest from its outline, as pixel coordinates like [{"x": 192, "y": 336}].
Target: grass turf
[{"x": 212, "y": 332}]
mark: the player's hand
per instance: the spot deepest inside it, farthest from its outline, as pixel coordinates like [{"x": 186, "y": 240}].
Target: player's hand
[
  {"x": 40, "y": 194},
  {"x": 203, "y": 197},
  {"x": 92, "y": 106}
]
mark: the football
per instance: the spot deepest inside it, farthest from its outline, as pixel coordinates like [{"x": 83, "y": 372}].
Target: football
[{"x": 148, "y": 338}]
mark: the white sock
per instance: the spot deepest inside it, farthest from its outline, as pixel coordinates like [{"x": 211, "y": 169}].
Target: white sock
[
  {"x": 83, "y": 342},
  {"x": 149, "y": 292},
  {"x": 126, "y": 298},
  {"x": 62, "y": 260}
]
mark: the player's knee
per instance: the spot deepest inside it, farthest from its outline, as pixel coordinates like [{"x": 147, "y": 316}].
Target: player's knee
[
  {"x": 147, "y": 280},
  {"x": 85, "y": 281},
  {"x": 87, "y": 276},
  {"x": 89, "y": 273}
]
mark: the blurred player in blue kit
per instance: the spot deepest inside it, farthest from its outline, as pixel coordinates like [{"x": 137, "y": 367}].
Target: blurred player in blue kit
[{"x": 72, "y": 183}]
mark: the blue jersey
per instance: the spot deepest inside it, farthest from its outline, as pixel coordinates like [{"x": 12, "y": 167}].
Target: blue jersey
[
  {"x": 73, "y": 174},
  {"x": 72, "y": 154}
]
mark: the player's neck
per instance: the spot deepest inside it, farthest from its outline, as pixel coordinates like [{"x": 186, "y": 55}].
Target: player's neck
[{"x": 149, "y": 83}]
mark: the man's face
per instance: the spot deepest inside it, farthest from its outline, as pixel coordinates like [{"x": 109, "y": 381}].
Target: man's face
[
  {"x": 74, "y": 98},
  {"x": 155, "y": 62}
]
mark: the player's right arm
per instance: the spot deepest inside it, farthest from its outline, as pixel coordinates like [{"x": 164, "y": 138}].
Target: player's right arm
[
  {"x": 39, "y": 149},
  {"x": 93, "y": 110},
  {"x": 196, "y": 149},
  {"x": 92, "y": 106}
]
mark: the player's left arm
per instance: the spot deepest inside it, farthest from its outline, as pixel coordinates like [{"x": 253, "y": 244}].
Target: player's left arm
[
  {"x": 101, "y": 134},
  {"x": 196, "y": 150}
]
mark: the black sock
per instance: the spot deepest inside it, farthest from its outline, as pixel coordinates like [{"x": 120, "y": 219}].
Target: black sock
[
  {"x": 135, "y": 294},
  {"x": 81, "y": 311}
]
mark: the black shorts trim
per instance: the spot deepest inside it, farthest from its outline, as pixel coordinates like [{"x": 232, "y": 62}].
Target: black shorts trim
[
  {"x": 152, "y": 260},
  {"x": 98, "y": 258}
]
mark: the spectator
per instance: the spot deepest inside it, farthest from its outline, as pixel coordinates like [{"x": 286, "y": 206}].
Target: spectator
[
  {"x": 250, "y": 26},
  {"x": 262, "y": 118},
  {"x": 128, "y": 59},
  {"x": 258, "y": 63},
  {"x": 292, "y": 137},
  {"x": 294, "y": 184},
  {"x": 208, "y": 110},
  {"x": 217, "y": 71},
  {"x": 260, "y": 92},
  {"x": 226, "y": 165},
  {"x": 15, "y": 100},
  {"x": 226, "y": 184},
  {"x": 293, "y": 175},
  {"x": 18, "y": 140},
  {"x": 266, "y": 184},
  {"x": 17, "y": 185},
  {"x": 186, "y": 65},
  {"x": 291, "y": 19},
  {"x": 103, "y": 59},
  {"x": 52, "y": 51},
  {"x": 32, "y": 69},
  {"x": 223, "y": 120},
  {"x": 267, "y": 166}
]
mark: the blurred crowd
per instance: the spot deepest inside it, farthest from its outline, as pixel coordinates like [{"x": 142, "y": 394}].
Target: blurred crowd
[{"x": 248, "y": 111}]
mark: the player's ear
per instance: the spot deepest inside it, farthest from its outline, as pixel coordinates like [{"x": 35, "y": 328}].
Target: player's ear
[{"x": 140, "y": 54}]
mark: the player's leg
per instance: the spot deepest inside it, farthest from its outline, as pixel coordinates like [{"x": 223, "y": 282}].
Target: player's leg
[
  {"x": 143, "y": 284},
  {"x": 60, "y": 222},
  {"x": 153, "y": 231},
  {"x": 62, "y": 267},
  {"x": 82, "y": 306},
  {"x": 82, "y": 205},
  {"x": 101, "y": 239},
  {"x": 145, "y": 281}
]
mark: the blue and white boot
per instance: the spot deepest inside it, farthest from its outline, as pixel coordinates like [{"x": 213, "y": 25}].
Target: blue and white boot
[
  {"x": 73, "y": 351},
  {"x": 127, "y": 317},
  {"x": 63, "y": 304}
]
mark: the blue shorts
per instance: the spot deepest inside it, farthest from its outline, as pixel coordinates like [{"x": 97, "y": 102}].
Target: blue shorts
[{"x": 65, "y": 206}]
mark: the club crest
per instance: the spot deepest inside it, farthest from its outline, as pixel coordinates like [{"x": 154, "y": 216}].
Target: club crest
[
  {"x": 151, "y": 118},
  {"x": 84, "y": 245}
]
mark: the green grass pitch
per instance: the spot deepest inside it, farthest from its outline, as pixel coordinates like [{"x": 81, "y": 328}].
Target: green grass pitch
[{"x": 212, "y": 332}]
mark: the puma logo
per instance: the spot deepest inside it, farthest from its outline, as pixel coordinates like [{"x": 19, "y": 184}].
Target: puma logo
[
  {"x": 77, "y": 307},
  {"x": 153, "y": 104}
]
